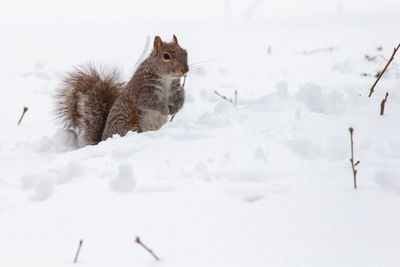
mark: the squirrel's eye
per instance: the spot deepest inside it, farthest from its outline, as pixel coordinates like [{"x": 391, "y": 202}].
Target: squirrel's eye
[{"x": 166, "y": 56}]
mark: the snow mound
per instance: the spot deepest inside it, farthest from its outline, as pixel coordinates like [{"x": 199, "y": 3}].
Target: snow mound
[
  {"x": 125, "y": 181},
  {"x": 318, "y": 100}
]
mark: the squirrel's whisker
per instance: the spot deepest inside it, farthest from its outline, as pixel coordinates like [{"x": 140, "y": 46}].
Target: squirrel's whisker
[{"x": 199, "y": 62}]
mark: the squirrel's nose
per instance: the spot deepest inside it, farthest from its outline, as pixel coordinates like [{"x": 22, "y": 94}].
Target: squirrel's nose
[{"x": 185, "y": 69}]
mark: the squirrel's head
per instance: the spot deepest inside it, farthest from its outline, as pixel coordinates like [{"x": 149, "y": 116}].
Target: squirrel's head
[{"x": 170, "y": 57}]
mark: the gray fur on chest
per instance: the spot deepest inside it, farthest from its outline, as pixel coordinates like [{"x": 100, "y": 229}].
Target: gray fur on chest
[
  {"x": 161, "y": 98},
  {"x": 164, "y": 89},
  {"x": 153, "y": 119}
]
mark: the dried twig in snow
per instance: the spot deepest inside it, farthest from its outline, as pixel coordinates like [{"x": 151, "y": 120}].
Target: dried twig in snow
[
  {"x": 224, "y": 97},
  {"x": 22, "y": 116},
  {"x": 78, "y": 251},
  {"x": 138, "y": 241},
  {"x": 353, "y": 165},
  {"x": 371, "y": 91},
  {"x": 383, "y": 103}
]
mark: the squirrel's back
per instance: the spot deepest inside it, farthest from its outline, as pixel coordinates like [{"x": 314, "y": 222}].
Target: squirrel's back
[{"x": 85, "y": 99}]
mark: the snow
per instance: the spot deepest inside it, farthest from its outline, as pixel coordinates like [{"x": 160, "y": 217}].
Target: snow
[
  {"x": 267, "y": 182},
  {"x": 125, "y": 180}
]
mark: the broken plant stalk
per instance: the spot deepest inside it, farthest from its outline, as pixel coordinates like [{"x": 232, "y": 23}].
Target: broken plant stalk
[
  {"x": 371, "y": 91},
  {"x": 78, "y": 251},
  {"x": 224, "y": 97},
  {"x": 383, "y": 103},
  {"x": 138, "y": 241},
  {"x": 353, "y": 165},
  {"x": 23, "y": 114}
]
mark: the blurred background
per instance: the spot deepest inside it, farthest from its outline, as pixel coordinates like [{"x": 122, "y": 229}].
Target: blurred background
[
  {"x": 160, "y": 10},
  {"x": 248, "y": 44}
]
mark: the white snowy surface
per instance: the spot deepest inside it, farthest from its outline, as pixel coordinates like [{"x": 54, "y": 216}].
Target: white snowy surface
[{"x": 265, "y": 183}]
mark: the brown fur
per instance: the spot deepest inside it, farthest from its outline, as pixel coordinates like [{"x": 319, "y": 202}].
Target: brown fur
[
  {"x": 85, "y": 99},
  {"x": 96, "y": 105},
  {"x": 154, "y": 91}
]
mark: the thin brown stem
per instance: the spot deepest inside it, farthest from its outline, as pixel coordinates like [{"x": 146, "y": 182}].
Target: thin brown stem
[
  {"x": 371, "y": 91},
  {"x": 383, "y": 103},
  {"x": 224, "y": 97},
  {"x": 138, "y": 241},
  {"x": 184, "y": 82},
  {"x": 22, "y": 115},
  {"x": 78, "y": 251},
  {"x": 353, "y": 164}
]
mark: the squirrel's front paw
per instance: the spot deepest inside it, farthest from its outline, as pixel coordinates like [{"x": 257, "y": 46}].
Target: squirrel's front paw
[
  {"x": 176, "y": 103},
  {"x": 164, "y": 110},
  {"x": 172, "y": 110}
]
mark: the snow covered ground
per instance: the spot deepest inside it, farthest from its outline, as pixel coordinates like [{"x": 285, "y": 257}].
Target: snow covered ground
[{"x": 265, "y": 183}]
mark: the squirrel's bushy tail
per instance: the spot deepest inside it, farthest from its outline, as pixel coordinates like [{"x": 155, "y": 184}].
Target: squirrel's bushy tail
[{"x": 85, "y": 99}]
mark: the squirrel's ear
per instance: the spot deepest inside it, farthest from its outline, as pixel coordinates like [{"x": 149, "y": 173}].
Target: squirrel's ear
[
  {"x": 157, "y": 42},
  {"x": 175, "y": 39}
]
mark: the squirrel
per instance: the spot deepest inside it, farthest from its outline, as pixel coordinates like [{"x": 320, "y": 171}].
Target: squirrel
[{"x": 95, "y": 104}]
